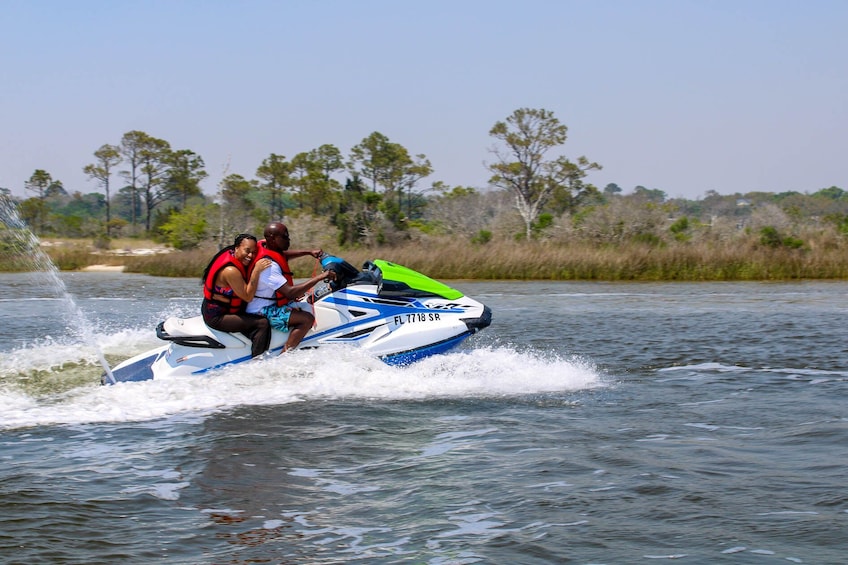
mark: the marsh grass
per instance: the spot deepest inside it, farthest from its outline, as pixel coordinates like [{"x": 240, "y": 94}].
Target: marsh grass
[
  {"x": 632, "y": 262},
  {"x": 444, "y": 258}
]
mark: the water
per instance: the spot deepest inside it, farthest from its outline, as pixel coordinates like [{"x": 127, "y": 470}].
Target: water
[{"x": 591, "y": 423}]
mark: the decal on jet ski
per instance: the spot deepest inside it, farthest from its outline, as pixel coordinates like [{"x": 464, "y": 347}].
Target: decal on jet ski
[{"x": 417, "y": 317}]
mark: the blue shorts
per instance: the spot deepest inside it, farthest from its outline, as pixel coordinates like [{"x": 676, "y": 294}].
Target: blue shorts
[{"x": 278, "y": 316}]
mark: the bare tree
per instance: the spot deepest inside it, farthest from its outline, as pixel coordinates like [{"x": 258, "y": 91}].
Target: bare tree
[
  {"x": 132, "y": 144},
  {"x": 108, "y": 157},
  {"x": 155, "y": 164},
  {"x": 522, "y": 166}
]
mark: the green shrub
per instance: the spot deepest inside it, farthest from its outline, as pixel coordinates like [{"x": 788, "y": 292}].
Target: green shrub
[
  {"x": 770, "y": 237},
  {"x": 482, "y": 237}
]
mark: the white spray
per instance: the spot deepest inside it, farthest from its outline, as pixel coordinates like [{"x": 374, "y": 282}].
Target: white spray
[{"x": 19, "y": 237}]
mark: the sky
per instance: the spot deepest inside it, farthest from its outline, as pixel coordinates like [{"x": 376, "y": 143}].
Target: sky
[{"x": 683, "y": 96}]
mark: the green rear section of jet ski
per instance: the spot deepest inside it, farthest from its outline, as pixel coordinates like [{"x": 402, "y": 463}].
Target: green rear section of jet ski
[{"x": 414, "y": 279}]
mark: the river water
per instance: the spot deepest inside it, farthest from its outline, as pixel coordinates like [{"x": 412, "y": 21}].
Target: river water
[{"x": 591, "y": 423}]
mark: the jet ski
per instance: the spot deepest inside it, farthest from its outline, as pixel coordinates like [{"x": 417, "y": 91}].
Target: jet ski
[{"x": 392, "y": 312}]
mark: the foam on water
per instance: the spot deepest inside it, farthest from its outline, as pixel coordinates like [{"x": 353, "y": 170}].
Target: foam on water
[
  {"x": 302, "y": 376},
  {"x": 714, "y": 367},
  {"x": 51, "y": 353}
]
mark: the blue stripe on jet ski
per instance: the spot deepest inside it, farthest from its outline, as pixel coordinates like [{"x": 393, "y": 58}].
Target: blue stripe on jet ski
[
  {"x": 233, "y": 362},
  {"x": 412, "y": 355}
]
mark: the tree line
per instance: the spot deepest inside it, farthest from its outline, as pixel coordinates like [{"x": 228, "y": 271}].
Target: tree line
[{"x": 376, "y": 195}]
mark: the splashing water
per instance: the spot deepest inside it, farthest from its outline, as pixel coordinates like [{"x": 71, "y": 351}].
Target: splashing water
[
  {"x": 21, "y": 238},
  {"x": 305, "y": 375}
]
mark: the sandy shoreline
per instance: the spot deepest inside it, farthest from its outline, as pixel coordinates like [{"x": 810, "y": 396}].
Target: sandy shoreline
[
  {"x": 125, "y": 252},
  {"x": 104, "y": 268}
]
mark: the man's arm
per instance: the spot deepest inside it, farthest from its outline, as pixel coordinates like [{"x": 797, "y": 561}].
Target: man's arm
[
  {"x": 295, "y": 291},
  {"x": 295, "y": 253}
]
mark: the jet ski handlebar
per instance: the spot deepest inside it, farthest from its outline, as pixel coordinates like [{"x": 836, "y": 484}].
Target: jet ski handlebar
[{"x": 345, "y": 272}]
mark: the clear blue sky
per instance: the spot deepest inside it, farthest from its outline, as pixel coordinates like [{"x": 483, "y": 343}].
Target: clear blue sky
[{"x": 680, "y": 95}]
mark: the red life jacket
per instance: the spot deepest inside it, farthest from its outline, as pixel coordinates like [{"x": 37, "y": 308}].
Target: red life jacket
[
  {"x": 279, "y": 259},
  {"x": 235, "y": 304}
]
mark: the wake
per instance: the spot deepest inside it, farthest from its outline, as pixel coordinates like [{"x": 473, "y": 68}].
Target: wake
[{"x": 329, "y": 373}]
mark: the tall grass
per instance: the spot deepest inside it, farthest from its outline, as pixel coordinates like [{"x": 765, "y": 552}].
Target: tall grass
[
  {"x": 444, "y": 258},
  {"x": 630, "y": 262}
]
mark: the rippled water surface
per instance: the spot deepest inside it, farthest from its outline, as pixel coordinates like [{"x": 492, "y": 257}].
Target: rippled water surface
[{"x": 591, "y": 423}]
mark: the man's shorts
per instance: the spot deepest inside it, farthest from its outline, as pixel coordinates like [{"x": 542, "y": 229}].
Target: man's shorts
[{"x": 278, "y": 316}]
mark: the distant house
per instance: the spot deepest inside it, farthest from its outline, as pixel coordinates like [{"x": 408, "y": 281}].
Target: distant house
[{"x": 742, "y": 202}]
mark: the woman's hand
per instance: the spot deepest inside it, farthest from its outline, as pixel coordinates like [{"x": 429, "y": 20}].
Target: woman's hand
[
  {"x": 261, "y": 265},
  {"x": 248, "y": 290}
]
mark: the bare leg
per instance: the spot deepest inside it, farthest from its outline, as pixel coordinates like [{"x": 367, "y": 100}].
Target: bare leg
[
  {"x": 255, "y": 327},
  {"x": 300, "y": 322}
]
